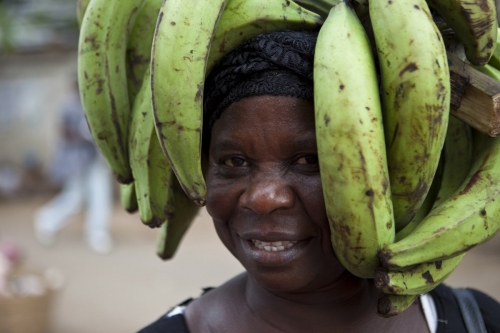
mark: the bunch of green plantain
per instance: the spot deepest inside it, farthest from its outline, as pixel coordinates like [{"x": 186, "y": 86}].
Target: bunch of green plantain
[
  {"x": 130, "y": 81},
  {"x": 408, "y": 188}
]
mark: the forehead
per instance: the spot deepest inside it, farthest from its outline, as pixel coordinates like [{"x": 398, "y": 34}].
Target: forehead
[{"x": 267, "y": 118}]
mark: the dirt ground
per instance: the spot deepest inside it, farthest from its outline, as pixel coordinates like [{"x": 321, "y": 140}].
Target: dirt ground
[{"x": 131, "y": 287}]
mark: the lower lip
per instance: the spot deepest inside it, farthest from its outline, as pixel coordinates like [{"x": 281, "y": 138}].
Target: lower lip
[{"x": 277, "y": 258}]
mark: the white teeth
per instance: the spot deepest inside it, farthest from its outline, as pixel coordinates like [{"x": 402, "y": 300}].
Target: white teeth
[{"x": 273, "y": 246}]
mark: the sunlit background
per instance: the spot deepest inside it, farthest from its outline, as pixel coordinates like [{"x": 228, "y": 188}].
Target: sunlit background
[{"x": 130, "y": 287}]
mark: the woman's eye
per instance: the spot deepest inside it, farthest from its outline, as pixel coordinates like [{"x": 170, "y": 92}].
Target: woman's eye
[
  {"x": 308, "y": 159},
  {"x": 235, "y": 162}
]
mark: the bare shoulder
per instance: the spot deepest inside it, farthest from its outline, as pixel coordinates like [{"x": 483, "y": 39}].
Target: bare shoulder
[{"x": 216, "y": 306}]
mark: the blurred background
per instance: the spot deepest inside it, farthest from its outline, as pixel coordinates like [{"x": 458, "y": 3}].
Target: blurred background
[{"x": 121, "y": 287}]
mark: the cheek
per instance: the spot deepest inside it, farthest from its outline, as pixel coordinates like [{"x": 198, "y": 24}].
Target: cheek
[
  {"x": 222, "y": 196},
  {"x": 311, "y": 195},
  {"x": 222, "y": 200}
]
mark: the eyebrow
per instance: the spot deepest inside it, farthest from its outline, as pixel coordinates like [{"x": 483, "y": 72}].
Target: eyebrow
[
  {"x": 306, "y": 142},
  {"x": 226, "y": 145}
]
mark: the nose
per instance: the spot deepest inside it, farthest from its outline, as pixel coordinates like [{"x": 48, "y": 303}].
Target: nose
[{"x": 267, "y": 193}]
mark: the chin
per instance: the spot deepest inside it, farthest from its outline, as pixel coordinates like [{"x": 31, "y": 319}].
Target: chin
[
  {"x": 279, "y": 284},
  {"x": 279, "y": 280}
]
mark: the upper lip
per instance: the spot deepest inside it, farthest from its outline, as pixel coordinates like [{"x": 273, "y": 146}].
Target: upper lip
[{"x": 271, "y": 236}]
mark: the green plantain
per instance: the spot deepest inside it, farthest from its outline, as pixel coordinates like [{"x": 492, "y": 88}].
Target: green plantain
[
  {"x": 173, "y": 230},
  {"x": 416, "y": 98},
  {"x": 128, "y": 197},
  {"x": 458, "y": 158},
  {"x": 392, "y": 305},
  {"x": 181, "y": 45},
  {"x": 351, "y": 145},
  {"x": 469, "y": 217},
  {"x": 427, "y": 205},
  {"x": 417, "y": 280},
  {"x": 152, "y": 173},
  {"x": 140, "y": 44},
  {"x": 102, "y": 78},
  {"x": 475, "y": 24}
]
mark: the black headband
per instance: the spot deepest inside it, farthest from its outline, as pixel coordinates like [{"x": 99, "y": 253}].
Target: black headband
[{"x": 275, "y": 63}]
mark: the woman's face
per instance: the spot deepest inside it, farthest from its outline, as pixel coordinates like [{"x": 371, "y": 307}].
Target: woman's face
[{"x": 265, "y": 195}]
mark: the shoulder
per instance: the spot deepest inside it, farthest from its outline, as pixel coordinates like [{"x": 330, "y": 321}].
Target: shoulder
[
  {"x": 217, "y": 306},
  {"x": 206, "y": 311},
  {"x": 449, "y": 314},
  {"x": 173, "y": 321}
]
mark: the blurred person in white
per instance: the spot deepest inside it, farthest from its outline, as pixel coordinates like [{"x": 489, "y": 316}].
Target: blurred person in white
[{"x": 86, "y": 183}]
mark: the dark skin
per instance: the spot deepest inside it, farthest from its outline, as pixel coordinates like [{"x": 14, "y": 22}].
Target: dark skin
[{"x": 264, "y": 184}]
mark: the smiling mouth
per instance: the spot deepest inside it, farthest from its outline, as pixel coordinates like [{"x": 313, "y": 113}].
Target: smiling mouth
[{"x": 273, "y": 246}]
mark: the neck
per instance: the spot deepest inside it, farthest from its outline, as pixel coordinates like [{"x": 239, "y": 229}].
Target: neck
[{"x": 348, "y": 305}]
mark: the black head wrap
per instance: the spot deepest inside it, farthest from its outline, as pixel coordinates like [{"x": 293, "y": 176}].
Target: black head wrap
[{"x": 275, "y": 63}]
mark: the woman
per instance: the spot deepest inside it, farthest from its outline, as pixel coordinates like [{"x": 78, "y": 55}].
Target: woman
[{"x": 266, "y": 200}]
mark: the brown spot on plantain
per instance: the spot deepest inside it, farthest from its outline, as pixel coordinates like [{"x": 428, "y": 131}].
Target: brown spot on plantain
[
  {"x": 155, "y": 222},
  {"x": 100, "y": 87},
  {"x": 483, "y": 4},
  {"x": 489, "y": 45},
  {"x": 473, "y": 180},
  {"x": 421, "y": 189},
  {"x": 92, "y": 40},
  {"x": 428, "y": 277},
  {"x": 394, "y": 136},
  {"x": 384, "y": 306},
  {"x": 416, "y": 7},
  {"x": 483, "y": 212},
  {"x": 388, "y": 225},
  {"x": 385, "y": 186},
  {"x": 381, "y": 279},
  {"x": 345, "y": 230},
  {"x": 327, "y": 119},
  {"x": 385, "y": 257},
  {"x": 199, "y": 93},
  {"x": 438, "y": 264},
  {"x": 173, "y": 23},
  {"x": 222, "y": 46},
  {"x": 411, "y": 67}
]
